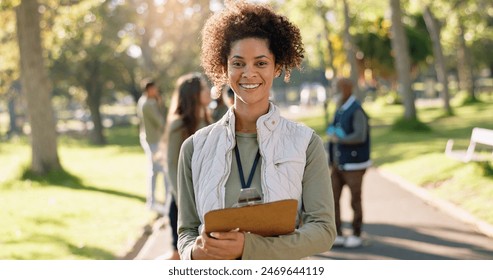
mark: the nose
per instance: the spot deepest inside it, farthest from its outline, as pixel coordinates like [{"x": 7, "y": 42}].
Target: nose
[{"x": 249, "y": 72}]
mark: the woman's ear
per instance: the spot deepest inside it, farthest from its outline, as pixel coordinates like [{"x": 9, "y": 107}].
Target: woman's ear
[{"x": 278, "y": 71}]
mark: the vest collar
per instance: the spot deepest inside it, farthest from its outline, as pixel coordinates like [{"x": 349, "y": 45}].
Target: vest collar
[
  {"x": 348, "y": 103},
  {"x": 269, "y": 121}
]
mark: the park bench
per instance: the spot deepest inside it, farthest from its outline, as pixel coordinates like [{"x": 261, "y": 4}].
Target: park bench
[{"x": 479, "y": 136}]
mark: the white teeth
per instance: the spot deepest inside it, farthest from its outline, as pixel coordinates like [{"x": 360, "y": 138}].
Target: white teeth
[{"x": 250, "y": 86}]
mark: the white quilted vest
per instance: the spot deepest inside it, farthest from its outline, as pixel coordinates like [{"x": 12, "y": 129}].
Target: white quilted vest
[{"x": 282, "y": 146}]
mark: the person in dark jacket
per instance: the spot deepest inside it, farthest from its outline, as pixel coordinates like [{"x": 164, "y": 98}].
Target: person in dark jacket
[{"x": 349, "y": 151}]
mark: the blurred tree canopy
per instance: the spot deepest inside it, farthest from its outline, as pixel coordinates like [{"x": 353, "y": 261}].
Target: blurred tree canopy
[
  {"x": 98, "y": 49},
  {"x": 466, "y": 34}
]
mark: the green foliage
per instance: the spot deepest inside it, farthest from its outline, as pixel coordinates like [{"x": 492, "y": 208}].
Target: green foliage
[
  {"x": 475, "y": 16},
  {"x": 314, "y": 36},
  {"x": 376, "y": 47},
  {"x": 374, "y": 43},
  {"x": 9, "y": 52},
  {"x": 9, "y": 4},
  {"x": 419, "y": 39},
  {"x": 89, "y": 47}
]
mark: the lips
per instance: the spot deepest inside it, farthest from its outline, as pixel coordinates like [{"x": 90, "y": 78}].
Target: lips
[{"x": 249, "y": 86}]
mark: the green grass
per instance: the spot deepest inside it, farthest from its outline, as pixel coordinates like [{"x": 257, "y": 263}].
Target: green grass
[
  {"x": 94, "y": 209},
  {"x": 418, "y": 156}
]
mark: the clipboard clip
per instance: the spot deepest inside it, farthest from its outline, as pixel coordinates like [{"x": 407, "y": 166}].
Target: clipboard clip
[{"x": 248, "y": 196}]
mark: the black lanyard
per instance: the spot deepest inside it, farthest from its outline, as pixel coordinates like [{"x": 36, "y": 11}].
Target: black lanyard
[{"x": 240, "y": 168}]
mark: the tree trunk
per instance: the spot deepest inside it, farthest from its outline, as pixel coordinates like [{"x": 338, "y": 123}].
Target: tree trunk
[
  {"x": 350, "y": 48},
  {"x": 464, "y": 67},
  {"x": 402, "y": 62},
  {"x": 330, "y": 47},
  {"x": 434, "y": 30},
  {"x": 330, "y": 65},
  {"x": 97, "y": 136},
  {"x": 36, "y": 87},
  {"x": 133, "y": 86},
  {"x": 135, "y": 93},
  {"x": 147, "y": 50},
  {"x": 94, "y": 94}
]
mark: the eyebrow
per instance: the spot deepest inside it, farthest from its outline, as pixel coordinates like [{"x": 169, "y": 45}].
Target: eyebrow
[{"x": 257, "y": 57}]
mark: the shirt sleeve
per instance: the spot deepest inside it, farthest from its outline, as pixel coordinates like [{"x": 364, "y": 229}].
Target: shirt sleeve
[
  {"x": 360, "y": 125},
  {"x": 188, "y": 219},
  {"x": 175, "y": 141},
  {"x": 317, "y": 232}
]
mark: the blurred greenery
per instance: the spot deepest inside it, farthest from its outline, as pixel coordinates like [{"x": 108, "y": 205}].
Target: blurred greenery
[{"x": 97, "y": 51}]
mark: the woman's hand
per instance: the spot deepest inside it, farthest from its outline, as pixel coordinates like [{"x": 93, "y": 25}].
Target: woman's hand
[{"x": 219, "y": 246}]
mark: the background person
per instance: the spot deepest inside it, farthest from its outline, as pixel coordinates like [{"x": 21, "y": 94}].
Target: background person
[
  {"x": 230, "y": 97},
  {"x": 222, "y": 104},
  {"x": 151, "y": 112},
  {"x": 188, "y": 112},
  {"x": 349, "y": 154},
  {"x": 218, "y": 109}
]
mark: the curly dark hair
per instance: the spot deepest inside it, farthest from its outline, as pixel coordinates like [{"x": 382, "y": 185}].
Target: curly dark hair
[{"x": 240, "y": 20}]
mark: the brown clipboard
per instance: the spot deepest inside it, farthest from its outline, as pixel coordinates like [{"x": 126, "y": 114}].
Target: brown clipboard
[{"x": 266, "y": 219}]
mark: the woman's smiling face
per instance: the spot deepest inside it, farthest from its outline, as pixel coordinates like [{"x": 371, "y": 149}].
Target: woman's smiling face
[{"x": 251, "y": 70}]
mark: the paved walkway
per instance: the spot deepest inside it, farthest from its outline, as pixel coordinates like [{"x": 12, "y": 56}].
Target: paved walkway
[
  {"x": 400, "y": 222},
  {"x": 158, "y": 242}
]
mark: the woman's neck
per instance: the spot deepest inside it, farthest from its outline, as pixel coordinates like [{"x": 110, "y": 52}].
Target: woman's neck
[{"x": 246, "y": 117}]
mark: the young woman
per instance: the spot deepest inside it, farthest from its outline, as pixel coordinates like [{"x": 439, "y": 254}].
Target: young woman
[
  {"x": 246, "y": 46},
  {"x": 188, "y": 112}
]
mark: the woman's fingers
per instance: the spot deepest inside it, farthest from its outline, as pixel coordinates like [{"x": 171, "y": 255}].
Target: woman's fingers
[{"x": 225, "y": 245}]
